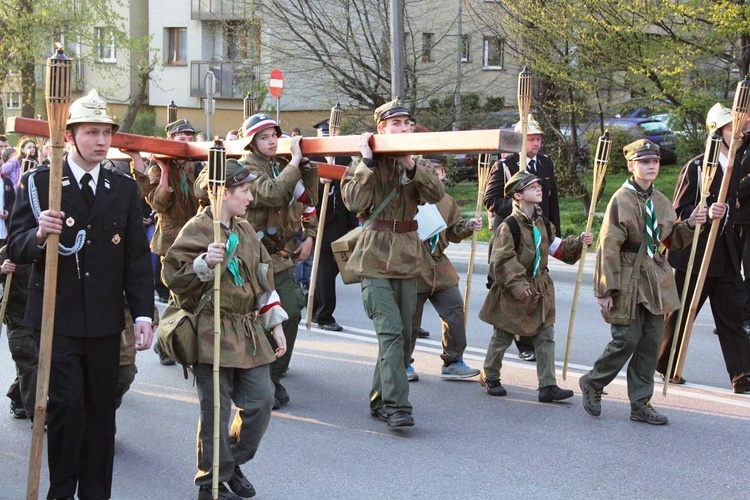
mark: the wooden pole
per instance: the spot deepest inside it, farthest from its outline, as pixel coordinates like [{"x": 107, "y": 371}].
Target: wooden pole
[
  {"x": 483, "y": 175},
  {"x": 6, "y": 294},
  {"x": 217, "y": 168},
  {"x": 710, "y": 162},
  {"x": 603, "y": 149},
  {"x": 334, "y": 126},
  {"x": 57, "y": 97},
  {"x": 524, "y": 107},
  {"x": 740, "y": 115}
]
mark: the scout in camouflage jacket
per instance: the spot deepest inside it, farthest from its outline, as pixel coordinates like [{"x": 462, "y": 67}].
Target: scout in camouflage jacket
[
  {"x": 387, "y": 254},
  {"x": 443, "y": 275},
  {"x": 245, "y": 309},
  {"x": 174, "y": 205},
  {"x": 511, "y": 274},
  {"x": 619, "y": 240}
]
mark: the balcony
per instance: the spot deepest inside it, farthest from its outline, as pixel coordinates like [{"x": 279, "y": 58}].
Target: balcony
[
  {"x": 223, "y": 10},
  {"x": 233, "y": 79}
]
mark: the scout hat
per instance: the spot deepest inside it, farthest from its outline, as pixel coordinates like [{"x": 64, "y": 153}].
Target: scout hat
[
  {"x": 237, "y": 173},
  {"x": 179, "y": 126},
  {"x": 442, "y": 159},
  {"x": 640, "y": 150},
  {"x": 256, "y": 123},
  {"x": 391, "y": 109},
  {"x": 518, "y": 182},
  {"x": 90, "y": 109},
  {"x": 717, "y": 117},
  {"x": 532, "y": 127}
]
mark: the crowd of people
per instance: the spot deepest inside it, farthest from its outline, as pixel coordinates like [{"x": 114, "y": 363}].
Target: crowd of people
[{"x": 130, "y": 233}]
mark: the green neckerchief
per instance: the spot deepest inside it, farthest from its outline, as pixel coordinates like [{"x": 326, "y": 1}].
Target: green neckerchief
[
  {"x": 233, "y": 267},
  {"x": 537, "y": 245},
  {"x": 652, "y": 224},
  {"x": 434, "y": 242},
  {"x": 183, "y": 183}
]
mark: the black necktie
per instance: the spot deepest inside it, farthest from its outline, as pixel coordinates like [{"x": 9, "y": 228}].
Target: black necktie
[
  {"x": 531, "y": 168},
  {"x": 86, "y": 191}
]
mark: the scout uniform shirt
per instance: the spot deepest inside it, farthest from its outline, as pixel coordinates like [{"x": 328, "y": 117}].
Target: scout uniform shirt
[
  {"x": 387, "y": 254},
  {"x": 623, "y": 229},
  {"x": 245, "y": 308},
  {"x": 511, "y": 275}
]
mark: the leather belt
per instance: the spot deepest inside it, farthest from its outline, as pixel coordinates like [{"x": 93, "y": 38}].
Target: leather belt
[{"x": 393, "y": 226}]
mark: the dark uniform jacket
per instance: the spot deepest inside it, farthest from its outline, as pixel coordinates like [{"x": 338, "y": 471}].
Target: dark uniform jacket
[
  {"x": 501, "y": 207},
  {"x": 725, "y": 258},
  {"x": 114, "y": 258}
]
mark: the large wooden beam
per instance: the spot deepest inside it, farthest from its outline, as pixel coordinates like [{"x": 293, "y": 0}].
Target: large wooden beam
[{"x": 468, "y": 141}]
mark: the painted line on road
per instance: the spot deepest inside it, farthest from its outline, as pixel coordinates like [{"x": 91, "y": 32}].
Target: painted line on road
[{"x": 715, "y": 394}]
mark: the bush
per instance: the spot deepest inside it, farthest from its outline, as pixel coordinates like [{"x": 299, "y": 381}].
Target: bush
[{"x": 145, "y": 124}]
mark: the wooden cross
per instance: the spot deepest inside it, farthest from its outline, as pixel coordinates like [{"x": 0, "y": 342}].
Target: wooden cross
[{"x": 465, "y": 141}]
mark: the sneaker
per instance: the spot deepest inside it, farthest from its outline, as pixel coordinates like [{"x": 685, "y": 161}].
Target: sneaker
[
  {"x": 240, "y": 485},
  {"x": 18, "y": 411},
  {"x": 678, "y": 381},
  {"x": 422, "y": 333},
  {"x": 204, "y": 493},
  {"x": 527, "y": 355},
  {"x": 400, "y": 419},
  {"x": 592, "y": 398},
  {"x": 280, "y": 395},
  {"x": 552, "y": 393},
  {"x": 380, "y": 414},
  {"x": 411, "y": 374},
  {"x": 164, "y": 359},
  {"x": 493, "y": 387},
  {"x": 457, "y": 370},
  {"x": 646, "y": 413}
]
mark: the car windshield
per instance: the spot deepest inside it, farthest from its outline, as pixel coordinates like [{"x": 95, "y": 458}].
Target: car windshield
[{"x": 654, "y": 128}]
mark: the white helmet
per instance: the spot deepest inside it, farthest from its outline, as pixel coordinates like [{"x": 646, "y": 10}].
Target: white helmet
[
  {"x": 90, "y": 109},
  {"x": 717, "y": 117},
  {"x": 532, "y": 127}
]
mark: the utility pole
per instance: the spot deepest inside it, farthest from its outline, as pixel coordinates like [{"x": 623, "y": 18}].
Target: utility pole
[
  {"x": 459, "y": 54},
  {"x": 397, "y": 48}
]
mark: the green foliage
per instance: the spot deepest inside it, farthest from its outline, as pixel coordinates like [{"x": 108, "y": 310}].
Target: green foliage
[
  {"x": 145, "y": 124},
  {"x": 439, "y": 113}
]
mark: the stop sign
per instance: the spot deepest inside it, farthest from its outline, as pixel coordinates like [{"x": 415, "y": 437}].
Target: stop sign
[{"x": 276, "y": 83}]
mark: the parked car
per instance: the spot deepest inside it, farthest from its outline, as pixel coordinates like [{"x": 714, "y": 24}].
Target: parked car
[{"x": 653, "y": 130}]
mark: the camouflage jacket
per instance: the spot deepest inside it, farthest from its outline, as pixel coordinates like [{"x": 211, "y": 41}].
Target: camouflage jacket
[
  {"x": 174, "y": 206},
  {"x": 385, "y": 254},
  {"x": 620, "y": 238},
  {"x": 244, "y": 308},
  {"x": 511, "y": 274},
  {"x": 281, "y": 195},
  {"x": 442, "y": 275}
]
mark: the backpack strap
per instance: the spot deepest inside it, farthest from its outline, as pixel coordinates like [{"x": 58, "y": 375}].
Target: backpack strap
[{"x": 515, "y": 230}]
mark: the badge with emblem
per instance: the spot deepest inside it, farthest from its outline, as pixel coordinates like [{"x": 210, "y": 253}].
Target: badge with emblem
[
  {"x": 70, "y": 221},
  {"x": 116, "y": 239}
]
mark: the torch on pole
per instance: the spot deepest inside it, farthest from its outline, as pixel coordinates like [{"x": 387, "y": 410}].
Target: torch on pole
[
  {"x": 217, "y": 169},
  {"x": 603, "y": 150},
  {"x": 524, "y": 108},
  {"x": 57, "y": 97}
]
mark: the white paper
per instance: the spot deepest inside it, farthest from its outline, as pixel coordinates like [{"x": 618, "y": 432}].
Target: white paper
[{"x": 430, "y": 221}]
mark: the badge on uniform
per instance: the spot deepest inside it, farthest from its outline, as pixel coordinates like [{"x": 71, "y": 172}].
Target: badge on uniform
[
  {"x": 65, "y": 181},
  {"x": 70, "y": 221},
  {"x": 116, "y": 239},
  {"x": 106, "y": 184}
]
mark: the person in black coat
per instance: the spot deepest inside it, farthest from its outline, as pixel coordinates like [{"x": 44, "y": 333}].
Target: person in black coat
[
  {"x": 500, "y": 207},
  {"x": 103, "y": 254},
  {"x": 723, "y": 284}
]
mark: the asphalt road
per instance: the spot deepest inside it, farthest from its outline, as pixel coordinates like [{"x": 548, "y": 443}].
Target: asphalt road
[{"x": 324, "y": 444}]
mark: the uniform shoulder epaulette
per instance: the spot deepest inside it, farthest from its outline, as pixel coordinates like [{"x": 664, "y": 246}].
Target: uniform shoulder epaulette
[
  {"x": 110, "y": 167},
  {"x": 37, "y": 169}
]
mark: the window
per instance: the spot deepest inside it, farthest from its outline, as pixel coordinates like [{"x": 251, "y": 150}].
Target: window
[
  {"x": 427, "y": 40},
  {"x": 242, "y": 41},
  {"x": 176, "y": 41},
  {"x": 493, "y": 52},
  {"x": 465, "y": 48},
  {"x": 105, "y": 45},
  {"x": 13, "y": 100}
]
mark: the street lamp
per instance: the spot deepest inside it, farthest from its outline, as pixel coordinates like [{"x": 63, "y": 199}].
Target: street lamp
[{"x": 248, "y": 105}]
